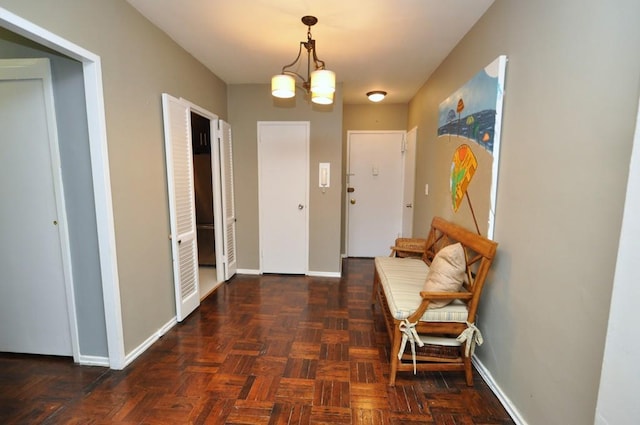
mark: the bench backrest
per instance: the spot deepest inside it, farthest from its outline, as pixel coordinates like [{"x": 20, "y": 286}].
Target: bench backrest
[{"x": 479, "y": 253}]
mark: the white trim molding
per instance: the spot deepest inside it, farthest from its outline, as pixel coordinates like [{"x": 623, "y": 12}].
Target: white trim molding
[
  {"x": 136, "y": 352},
  {"x": 495, "y": 388},
  {"x": 325, "y": 274},
  {"x": 248, "y": 271},
  {"x": 93, "y": 361}
]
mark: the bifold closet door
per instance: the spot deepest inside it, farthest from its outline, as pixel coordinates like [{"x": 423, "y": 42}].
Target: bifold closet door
[
  {"x": 184, "y": 248},
  {"x": 228, "y": 200}
]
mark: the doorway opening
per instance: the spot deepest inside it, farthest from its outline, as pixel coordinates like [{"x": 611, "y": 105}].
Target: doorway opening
[
  {"x": 205, "y": 216},
  {"x": 101, "y": 187}
]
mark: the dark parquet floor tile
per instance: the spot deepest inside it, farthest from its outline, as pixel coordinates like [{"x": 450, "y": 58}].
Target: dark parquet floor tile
[{"x": 270, "y": 350}]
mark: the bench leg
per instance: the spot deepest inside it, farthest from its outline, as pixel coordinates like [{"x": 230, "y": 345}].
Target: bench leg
[
  {"x": 374, "y": 289},
  {"x": 393, "y": 358},
  {"x": 468, "y": 370}
]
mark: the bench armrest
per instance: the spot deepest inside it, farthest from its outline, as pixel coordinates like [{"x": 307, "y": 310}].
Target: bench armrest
[
  {"x": 445, "y": 295},
  {"x": 427, "y": 297}
]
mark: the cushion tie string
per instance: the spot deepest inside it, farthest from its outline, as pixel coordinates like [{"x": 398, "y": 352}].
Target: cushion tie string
[
  {"x": 410, "y": 334},
  {"x": 471, "y": 336}
]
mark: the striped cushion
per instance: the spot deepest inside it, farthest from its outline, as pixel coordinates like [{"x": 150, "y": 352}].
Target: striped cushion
[{"x": 403, "y": 294}]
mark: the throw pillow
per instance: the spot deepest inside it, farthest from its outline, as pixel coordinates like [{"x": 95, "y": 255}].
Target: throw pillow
[{"x": 446, "y": 273}]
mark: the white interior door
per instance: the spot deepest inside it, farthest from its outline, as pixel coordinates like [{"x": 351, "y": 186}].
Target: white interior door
[
  {"x": 228, "y": 200},
  {"x": 409, "y": 182},
  {"x": 374, "y": 197},
  {"x": 179, "y": 157},
  {"x": 283, "y": 167},
  {"x": 36, "y": 298}
]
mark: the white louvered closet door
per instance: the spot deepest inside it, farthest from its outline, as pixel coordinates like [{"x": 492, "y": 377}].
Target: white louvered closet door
[
  {"x": 177, "y": 136},
  {"x": 228, "y": 202}
]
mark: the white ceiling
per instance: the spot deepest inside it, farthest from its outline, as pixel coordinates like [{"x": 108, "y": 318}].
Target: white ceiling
[{"x": 391, "y": 45}]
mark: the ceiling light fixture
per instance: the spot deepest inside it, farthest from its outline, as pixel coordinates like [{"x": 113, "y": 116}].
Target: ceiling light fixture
[
  {"x": 376, "y": 95},
  {"x": 320, "y": 82}
]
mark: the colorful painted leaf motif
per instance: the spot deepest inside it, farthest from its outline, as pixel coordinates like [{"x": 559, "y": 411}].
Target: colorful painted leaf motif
[{"x": 463, "y": 167}]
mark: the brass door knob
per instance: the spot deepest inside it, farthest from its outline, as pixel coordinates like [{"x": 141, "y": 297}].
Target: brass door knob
[{"x": 353, "y": 202}]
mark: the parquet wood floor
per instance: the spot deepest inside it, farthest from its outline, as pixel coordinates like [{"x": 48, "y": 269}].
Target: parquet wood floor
[{"x": 260, "y": 350}]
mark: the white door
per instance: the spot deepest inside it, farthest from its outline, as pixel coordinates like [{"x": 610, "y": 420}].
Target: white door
[
  {"x": 228, "y": 200},
  {"x": 374, "y": 195},
  {"x": 36, "y": 296},
  {"x": 283, "y": 168},
  {"x": 179, "y": 158},
  {"x": 409, "y": 182}
]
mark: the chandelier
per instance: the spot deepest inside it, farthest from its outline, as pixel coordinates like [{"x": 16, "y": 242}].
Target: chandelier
[{"x": 320, "y": 82}]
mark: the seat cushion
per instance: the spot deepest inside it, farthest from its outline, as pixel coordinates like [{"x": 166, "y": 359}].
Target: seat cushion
[{"x": 403, "y": 295}]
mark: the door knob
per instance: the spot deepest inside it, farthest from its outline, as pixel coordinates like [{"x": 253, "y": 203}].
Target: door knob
[
  {"x": 353, "y": 202},
  {"x": 300, "y": 206}
]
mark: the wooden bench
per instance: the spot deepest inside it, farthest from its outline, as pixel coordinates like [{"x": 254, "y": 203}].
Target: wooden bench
[{"x": 398, "y": 287}]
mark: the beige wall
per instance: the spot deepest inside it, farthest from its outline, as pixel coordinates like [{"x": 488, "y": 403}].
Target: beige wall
[
  {"x": 139, "y": 62},
  {"x": 369, "y": 117},
  {"x": 250, "y": 103},
  {"x": 572, "y": 88},
  {"x": 375, "y": 116}
]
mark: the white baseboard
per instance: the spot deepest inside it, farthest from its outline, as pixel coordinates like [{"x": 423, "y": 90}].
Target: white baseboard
[
  {"x": 316, "y": 274},
  {"x": 324, "y": 274},
  {"x": 93, "y": 361},
  {"x": 504, "y": 400},
  {"x": 136, "y": 352},
  {"x": 247, "y": 271}
]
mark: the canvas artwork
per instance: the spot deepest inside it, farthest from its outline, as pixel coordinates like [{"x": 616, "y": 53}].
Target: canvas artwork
[{"x": 470, "y": 119}]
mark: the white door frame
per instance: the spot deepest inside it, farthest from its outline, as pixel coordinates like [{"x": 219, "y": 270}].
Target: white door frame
[
  {"x": 94, "y": 100},
  {"x": 409, "y": 181}
]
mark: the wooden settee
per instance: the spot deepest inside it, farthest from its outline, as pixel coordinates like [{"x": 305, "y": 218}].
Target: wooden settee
[{"x": 442, "y": 338}]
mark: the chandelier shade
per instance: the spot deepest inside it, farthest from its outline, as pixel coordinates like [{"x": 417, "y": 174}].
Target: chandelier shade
[
  {"x": 323, "y": 81},
  {"x": 283, "y": 86},
  {"x": 320, "y": 83},
  {"x": 322, "y": 98}
]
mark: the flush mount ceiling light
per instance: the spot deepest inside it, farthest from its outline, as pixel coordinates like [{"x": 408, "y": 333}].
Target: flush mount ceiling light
[
  {"x": 376, "y": 95},
  {"x": 320, "y": 82}
]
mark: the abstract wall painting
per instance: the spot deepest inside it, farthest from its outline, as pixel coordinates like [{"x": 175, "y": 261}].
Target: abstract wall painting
[{"x": 471, "y": 119}]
